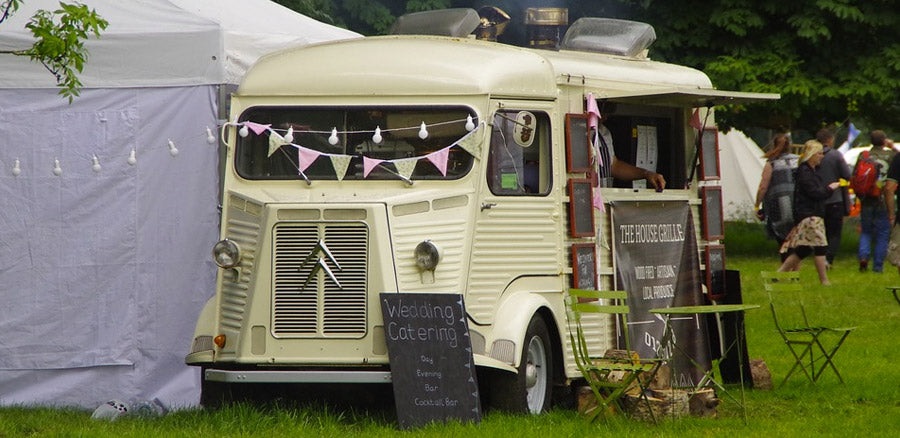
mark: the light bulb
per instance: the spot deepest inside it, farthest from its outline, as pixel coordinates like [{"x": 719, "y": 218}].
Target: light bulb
[
  {"x": 132, "y": 158},
  {"x": 17, "y": 170},
  {"x": 423, "y": 131},
  {"x": 333, "y": 139},
  {"x": 470, "y": 125},
  {"x": 96, "y": 166},
  {"x": 377, "y": 137},
  {"x": 56, "y": 169},
  {"x": 210, "y": 138},
  {"x": 173, "y": 151},
  {"x": 289, "y": 136},
  {"x": 244, "y": 131}
]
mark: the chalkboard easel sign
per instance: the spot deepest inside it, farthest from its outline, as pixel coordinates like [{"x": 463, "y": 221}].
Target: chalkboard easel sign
[
  {"x": 581, "y": 208},
  {"x": 430, "y": 351},
  {"x": 584, "y": 266}
]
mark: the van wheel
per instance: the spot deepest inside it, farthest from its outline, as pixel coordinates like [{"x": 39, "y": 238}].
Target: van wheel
[{"x": 531, "y": 389}]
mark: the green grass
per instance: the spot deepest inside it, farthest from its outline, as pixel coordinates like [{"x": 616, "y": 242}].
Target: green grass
[{"x": 868, "y": 404}]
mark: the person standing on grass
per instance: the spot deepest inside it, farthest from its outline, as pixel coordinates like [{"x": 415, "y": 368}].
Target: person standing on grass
[
  {"x": 775, "y": 194},
  {"x": 890, "y": 201},
  {"x": 810, "y": 192},
  {"x": 831, "y": 169},
  {"x": 873, "y": 216}
]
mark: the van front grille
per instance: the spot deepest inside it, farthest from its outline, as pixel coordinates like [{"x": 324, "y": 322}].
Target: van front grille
[{"x": 308, "y": 301}]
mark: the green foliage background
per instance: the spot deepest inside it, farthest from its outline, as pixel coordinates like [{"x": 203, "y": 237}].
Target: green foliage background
[{"x": 831, "y": 60}]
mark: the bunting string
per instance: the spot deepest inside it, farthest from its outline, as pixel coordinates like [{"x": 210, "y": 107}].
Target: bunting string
[{"x": 470, "y": 142}]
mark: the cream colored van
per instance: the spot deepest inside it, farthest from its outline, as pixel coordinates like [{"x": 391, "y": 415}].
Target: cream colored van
[{"x": 440, "y": 164}]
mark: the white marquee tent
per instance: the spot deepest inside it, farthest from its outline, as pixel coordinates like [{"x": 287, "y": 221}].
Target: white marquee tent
[
  {"x": 108, "y": 205},
  {"x": 741, "y": 165}
]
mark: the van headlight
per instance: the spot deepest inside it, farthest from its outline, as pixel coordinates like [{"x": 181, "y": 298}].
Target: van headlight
[
  {"x": 226, "y": 253},
  {"x": 427, "y": 255}
]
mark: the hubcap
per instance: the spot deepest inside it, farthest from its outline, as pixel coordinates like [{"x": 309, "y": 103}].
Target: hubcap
[{"x": 536, "y": 375}]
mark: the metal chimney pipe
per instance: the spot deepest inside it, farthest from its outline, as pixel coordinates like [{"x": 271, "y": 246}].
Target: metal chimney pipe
[{"x": 545, "y": 27}]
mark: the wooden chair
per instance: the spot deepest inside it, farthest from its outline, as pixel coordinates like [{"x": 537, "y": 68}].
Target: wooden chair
[
  {"x": 609, "y": 377},
  {"x": 805, "y": 341}
]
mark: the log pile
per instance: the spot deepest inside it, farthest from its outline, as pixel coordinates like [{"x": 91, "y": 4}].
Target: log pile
[{"x": 663, "y": 401}]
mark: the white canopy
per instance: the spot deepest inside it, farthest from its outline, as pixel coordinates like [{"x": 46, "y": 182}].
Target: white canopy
[
  {"x": 108, "y": 205},
  {"x": 741, "y": 166},
  {"x": 153, "y": 43}
]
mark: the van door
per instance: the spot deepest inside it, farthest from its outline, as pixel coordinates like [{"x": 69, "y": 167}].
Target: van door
[{"x": 517, "y": 225}]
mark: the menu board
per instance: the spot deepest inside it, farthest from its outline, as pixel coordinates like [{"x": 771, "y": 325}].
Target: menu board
[
  {"x": 713, "y": 222},
  {"x": 584, "y": 266},
  {"x": 578, "y": 155},
  {"x": 581, "y": 208},
  {"x": 709, "y": 154},
  {"x": 430, "y": 351}
]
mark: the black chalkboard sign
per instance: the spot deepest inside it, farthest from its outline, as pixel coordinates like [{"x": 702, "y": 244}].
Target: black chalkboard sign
[
  {"x": 432, "y": 369},
  {"x": 709, "y": 154},
  {"x": 584, "y": 266},
  {"x": 578, "y": 155},
  {"x": 713, "y": 221},
  {"x": 715, "y": 271},
  {"x": 581, "y": 208}
]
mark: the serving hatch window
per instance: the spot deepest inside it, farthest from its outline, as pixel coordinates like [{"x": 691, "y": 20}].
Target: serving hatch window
[{"x": 357, "y": 143}]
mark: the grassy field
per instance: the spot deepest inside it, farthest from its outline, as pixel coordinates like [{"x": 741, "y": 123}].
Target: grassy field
[{"x": 868, "y": 404}]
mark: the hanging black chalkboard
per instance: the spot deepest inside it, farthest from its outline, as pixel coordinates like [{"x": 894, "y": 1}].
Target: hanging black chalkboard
[
  {"x": 578, "y": 156},
  {"x": 709, "y": 155},
  {"x": 432, "y": 369},
  {"x": 715, "y": 271},
  {"x": 584, "y": 266},
  {"x": 581, "y": 208},
  {"x": 713, "y": 221}
]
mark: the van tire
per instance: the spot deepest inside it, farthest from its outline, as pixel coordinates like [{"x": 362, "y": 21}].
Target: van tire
[{"x": 529, "y": 391}]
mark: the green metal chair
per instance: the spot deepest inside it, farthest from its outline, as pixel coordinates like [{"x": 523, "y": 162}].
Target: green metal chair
[
  {"x": 598, "y": 369},
  {"x": 805, "y": 341}
]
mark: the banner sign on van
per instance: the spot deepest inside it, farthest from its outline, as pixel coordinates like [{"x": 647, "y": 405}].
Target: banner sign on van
[{"x": 657, "y": 263}]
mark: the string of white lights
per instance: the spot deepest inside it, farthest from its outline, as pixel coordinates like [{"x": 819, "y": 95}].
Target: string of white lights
[
  {"x": 333, "y": 139},
  {"x": 95, "y": 160}
]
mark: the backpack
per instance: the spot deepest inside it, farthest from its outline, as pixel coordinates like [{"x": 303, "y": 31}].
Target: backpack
[
  {"x": 866, "y": 173},
  {"x": 778, "y": 201}
]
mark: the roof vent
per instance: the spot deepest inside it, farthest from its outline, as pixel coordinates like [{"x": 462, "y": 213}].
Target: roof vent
[
  {"x": 456, "y": 22},
  {"x": 609, "y": 35}
]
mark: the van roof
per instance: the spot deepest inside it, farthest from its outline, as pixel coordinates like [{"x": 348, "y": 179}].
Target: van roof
[
  {"x": 415, "y": 65},
  {"x": 402, "y": 65}
]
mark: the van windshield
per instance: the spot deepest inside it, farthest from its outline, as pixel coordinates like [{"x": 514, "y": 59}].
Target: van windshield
[{"x": 356, "y": 143}]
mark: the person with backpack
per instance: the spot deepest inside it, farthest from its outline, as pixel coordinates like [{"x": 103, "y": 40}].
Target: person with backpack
[
  {"x": 808, "y": 236},
  {"x": 831, "y": 169},
  {"x": 774, "y": 197},
  {"x": 869, "y": 175}
]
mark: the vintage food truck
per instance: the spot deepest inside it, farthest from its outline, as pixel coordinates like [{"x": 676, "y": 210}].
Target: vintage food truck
[{"x": 448, "y": 164}]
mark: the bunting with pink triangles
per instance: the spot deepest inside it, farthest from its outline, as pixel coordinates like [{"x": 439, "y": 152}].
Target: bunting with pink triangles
[{"x": 471, "y": 143}]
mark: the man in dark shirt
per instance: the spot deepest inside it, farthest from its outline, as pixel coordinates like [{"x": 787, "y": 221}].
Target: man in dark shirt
[
  {"x": 831, "y": 169},
  {"x": 890, "y": 200}
]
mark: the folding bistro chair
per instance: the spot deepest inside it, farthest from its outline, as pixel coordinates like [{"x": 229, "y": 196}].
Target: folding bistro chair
[
  {"x": 602, "y": 372},
  {"x": 804, "y": 340}
]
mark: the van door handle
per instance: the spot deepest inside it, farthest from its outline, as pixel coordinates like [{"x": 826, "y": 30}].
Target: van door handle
[{"x": 487, "y": 205}]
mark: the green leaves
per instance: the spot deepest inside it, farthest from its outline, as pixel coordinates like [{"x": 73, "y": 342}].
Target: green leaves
[
  {"x": 829, "y": 59},
  {"x": 59, "y": 44}
]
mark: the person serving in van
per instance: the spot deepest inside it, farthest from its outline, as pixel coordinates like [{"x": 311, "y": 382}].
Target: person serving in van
[{"x": 603, "y": 144}]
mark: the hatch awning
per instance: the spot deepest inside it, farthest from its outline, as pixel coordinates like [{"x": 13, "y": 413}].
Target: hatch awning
[{"x": 684, "y": 97}]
